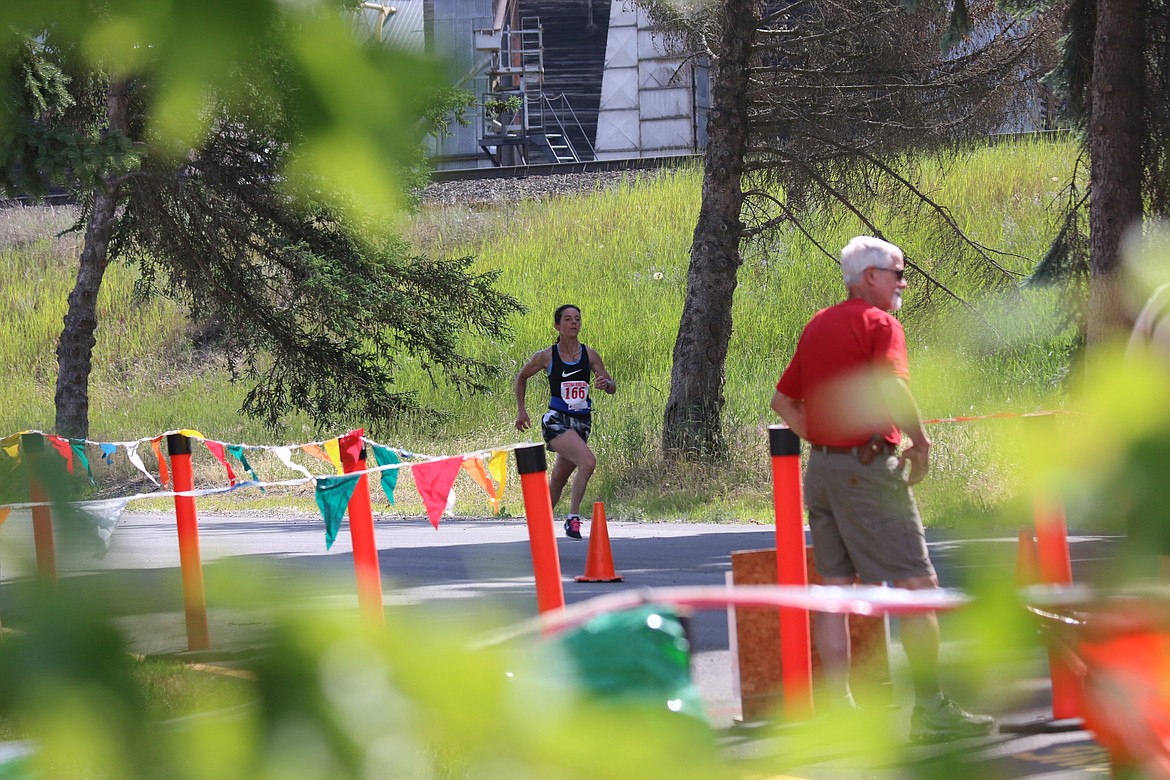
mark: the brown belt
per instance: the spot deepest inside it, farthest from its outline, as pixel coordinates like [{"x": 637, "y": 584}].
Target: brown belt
[{"x": 854, "y": 451}]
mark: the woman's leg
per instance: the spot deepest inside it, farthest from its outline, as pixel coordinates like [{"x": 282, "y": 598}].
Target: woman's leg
[{"x": 573, "y": 453}]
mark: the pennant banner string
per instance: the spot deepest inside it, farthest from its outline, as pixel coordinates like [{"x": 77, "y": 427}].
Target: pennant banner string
[{"x": 275, "y": 483}]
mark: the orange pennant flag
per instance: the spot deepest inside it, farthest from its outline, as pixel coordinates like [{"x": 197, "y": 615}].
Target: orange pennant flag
[
  {"x": 434, "y": 480},
  {"x": 316, "y": 452},
  {"x": 163, "y": 476},
  {"x": 474, "y": 467},
  {"x": 4, "y": 510}
]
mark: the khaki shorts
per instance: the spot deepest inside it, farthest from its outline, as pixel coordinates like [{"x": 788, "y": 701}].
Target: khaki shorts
[{"x": 863, "y": 519}]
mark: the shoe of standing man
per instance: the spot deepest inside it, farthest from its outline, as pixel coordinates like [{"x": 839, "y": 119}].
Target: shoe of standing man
[
  {"x": 946, "y": 722},
  {"x": 573, "y": 526}
]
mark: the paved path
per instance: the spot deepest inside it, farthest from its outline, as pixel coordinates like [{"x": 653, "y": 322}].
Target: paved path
[{"x": 481, "y": 570}]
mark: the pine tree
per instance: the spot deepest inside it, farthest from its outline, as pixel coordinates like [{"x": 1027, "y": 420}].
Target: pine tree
[{"x": 317, "y": 302}]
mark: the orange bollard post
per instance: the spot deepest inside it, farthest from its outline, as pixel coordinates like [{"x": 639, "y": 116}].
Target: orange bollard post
[
  {"x": 365, "y": 549},
  {"x": 1027, "y": 566},
  {"x": 546, "y": 561},
  {"x": 190, "y": 565},
  {"x": 791, "y": 569},
  {"x": 1054, "y": 566},
  {"x": 32, "y": 445},
  {"x": 599, "y": 561}
]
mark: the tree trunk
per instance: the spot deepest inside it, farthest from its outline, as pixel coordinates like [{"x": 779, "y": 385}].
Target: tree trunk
[
  {"x": 691, "y": 425},
  {"x": 75, "y": 347},
  {"x": 1115, "y": 147}
]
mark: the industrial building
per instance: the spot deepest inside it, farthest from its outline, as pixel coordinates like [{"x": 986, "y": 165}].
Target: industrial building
[{"x": 555, "y": 80}]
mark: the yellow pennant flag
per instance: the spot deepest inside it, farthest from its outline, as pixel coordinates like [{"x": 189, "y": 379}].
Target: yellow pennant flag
[
  {"x": 333, "y": 447},
  {"x": 498, "y": 466},
  {"x": 11, "y": 445},
  {"x": 474, "y": 467},
  {"x": 191, "y": 433}
]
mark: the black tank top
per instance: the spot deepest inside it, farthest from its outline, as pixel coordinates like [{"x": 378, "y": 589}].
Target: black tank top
[{"x": 568, "y": 384}]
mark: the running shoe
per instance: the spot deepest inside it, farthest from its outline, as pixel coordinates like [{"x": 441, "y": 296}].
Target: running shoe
[
  {"x": 949, "y": 721},
  {"x": 573, "y": 526}
]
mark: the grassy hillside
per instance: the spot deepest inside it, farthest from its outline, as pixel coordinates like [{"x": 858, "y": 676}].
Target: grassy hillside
[{"x": 622, "y": 256}]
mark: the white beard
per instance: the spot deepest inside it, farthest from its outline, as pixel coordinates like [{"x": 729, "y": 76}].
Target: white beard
[{"x": 896, "y": 301}]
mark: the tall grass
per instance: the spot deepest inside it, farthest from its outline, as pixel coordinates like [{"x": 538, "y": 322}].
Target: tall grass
[{"x": 622, "y": 254}]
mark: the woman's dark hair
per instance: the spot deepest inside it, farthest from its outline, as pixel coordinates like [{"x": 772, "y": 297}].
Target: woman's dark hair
[{"x": 561, "y": 310}]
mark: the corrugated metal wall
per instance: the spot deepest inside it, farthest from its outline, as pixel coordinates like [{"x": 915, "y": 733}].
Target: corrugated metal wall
[{"x": 450, "y": 26}]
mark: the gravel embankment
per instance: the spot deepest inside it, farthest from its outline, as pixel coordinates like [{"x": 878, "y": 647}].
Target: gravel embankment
[{"x": 492, "y": 191}]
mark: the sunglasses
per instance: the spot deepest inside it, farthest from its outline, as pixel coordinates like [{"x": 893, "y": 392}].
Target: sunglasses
[{"x": 898, "y": 272}]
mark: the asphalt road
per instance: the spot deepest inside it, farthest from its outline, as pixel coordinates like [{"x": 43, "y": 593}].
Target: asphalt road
[{"x": 472, "y": 568}]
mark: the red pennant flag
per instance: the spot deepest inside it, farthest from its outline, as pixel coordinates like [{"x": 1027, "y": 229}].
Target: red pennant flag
[
  {"x": 434, "y": 480},
  {"x": 163, "y": 476},
  {"x": 349, "y": 447},
  {"x": 474, "y": 467},
  {"x": 216, "y": 449},
  {"x": 62, "y": 446}
]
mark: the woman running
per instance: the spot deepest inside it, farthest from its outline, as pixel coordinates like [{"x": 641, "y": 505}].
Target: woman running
[{"x": 565, "y": 426}]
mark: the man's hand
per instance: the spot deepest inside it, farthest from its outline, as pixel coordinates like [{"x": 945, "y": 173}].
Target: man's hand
[
  {"x": 918, "y": 456},
  {"x": 522, "y": 421},
  {"x": 791, "y": 411}
]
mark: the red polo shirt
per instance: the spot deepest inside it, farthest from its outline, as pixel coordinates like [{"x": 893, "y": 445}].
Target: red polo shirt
[{"x": 843, "y": 355}]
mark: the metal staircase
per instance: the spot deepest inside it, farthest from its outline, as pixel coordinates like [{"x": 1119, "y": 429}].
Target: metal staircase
[{"x": 519, "y": 124}]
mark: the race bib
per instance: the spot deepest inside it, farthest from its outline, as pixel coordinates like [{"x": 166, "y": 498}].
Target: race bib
[{"x": 575, "y": 395}]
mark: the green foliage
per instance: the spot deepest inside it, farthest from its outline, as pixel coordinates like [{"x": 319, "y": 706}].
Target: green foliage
[
  {"x": 329, "y": 697},
  {"x": 42, "y": 143},
  {"x": 1007, "y": 350},
  {"x": 242, "y": 214},
  {"x": 1072, "y": 76},
  {"x": 958, "y": 26},
  {"x": 359, "y": 104},
  {"x": 315, "y": 312},
  {"x": 620, "y": 254}
]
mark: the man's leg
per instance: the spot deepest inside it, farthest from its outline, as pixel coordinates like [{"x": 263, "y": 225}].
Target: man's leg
[
  {"x": 935, "y": 717},
  {"x": 832, "y": 637},
  {"x": 920, "y": 640},
  {"x": 571, "y": 448}
]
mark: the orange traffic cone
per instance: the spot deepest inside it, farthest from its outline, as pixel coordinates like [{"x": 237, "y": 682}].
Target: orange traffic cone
[
  {"x": 599, "y": 562},
  {"x": 1027, "y": 559}
]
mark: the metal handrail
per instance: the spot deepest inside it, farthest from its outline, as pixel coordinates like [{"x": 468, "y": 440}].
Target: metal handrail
[{"x": 576, "y": 120}]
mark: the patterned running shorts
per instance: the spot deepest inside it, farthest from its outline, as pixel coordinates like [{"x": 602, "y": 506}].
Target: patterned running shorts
[{"x": 554, "y": 423}]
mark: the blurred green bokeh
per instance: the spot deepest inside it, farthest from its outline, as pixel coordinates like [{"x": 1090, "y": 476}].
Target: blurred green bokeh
[{"x": 360, "y": 105}]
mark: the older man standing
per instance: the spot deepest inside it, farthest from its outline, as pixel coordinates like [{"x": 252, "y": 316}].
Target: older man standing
[{"x": 846, "y": 391}]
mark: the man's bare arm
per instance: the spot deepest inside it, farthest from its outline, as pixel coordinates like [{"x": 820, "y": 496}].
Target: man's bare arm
[
  {"x": 791, "y": 411},
  {"x": 904, "y": 410}
]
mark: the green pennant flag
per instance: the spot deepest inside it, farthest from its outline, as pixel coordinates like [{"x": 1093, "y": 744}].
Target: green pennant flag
[
  {"x": 333, "y": 494},
  {"x": 237, "y": 452},
  {"x": 387, "y": 457},
  {"x": 78, "y": 447}
]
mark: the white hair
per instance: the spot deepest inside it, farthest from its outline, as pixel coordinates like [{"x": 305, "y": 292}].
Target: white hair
[{"x": 866, "y": 252}]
